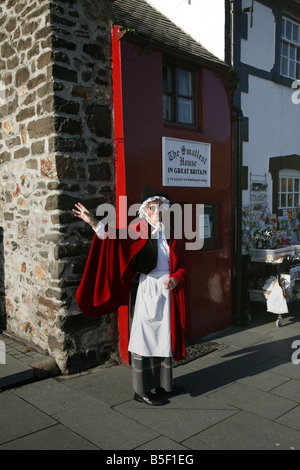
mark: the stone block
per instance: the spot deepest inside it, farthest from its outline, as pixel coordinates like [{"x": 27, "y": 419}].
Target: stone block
[
  {"x": 11, "y": 25},
  {"x": 38, "y": 147},
  {"x": 65, "y": 167},
  {"x": 81, "y": 91},
  {"x": 104, "y": 150},
  {"x": 100, "y": 172},
  {"x": 43, "y": 32},
  {"x": 44, "y": 59},
  {"x": 21, "y": 153},
  {"x": 13, "y": 63},
  {"x": 7, "y": 50},
  {"x": 22, "y": 76},
  {"x": 25, "y": 113},
  {"x": 95, "y": 51},
  {"x": 36, "y": 81},
  {"x": 61, "y": 43},
  {"x": 66, "y": 106},
  {"x": 24, "y": 44},
  {"x": 70, "y": 145},
  {"x": 32, "y": 164},
  {"x": 99, "y": 120},
  {"x": 5, "y": 157},
  {"x": 34, "y": 51},
  {"x": 64, "y": 73},
  {"x": 41, "y": 127},
  {"x": 64, "y": 125}
]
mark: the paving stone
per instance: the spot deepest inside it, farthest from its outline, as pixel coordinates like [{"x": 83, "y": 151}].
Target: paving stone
[
  {"x": 245, "y": 431},
  {"x": 104, "y": 427},
  {"x": 53, "y": 438},
  {"x": 51, "y": 396},
  {"x": 108, "y": 385},
  {"x": 290, "y": 390},
  {"x": 19, "y": 418},
  {"x": 265, "y": 381},
  {"x": 174, "y": 424},
  {"x": 282, "y": 367},
  {"x": 253, "y": 400},
  {"x": 161, "y": 443},
  {"x": 291, "y": 419},
  {"x": 14, "y": 372}
]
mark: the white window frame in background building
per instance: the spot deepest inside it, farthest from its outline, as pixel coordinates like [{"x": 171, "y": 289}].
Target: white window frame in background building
[
  {"x": 290, "y": 49},
  {"x": 289, "y": 189}
]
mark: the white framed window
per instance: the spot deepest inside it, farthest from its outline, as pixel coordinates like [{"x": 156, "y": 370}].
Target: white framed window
[
  {"x": 289, "y": 189},
  {"x": 290, "y": 49},
  {"x": 179, "y": 95}
]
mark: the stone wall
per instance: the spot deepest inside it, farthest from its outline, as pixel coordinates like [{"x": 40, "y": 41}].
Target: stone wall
[{"x": 56, "y": 149}]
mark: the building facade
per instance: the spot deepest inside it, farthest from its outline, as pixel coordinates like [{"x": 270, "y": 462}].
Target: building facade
[
  {"x": 266, "y": 55},
  {"x": 176, "y": 106},
  {"x": 88, "y": 118}
]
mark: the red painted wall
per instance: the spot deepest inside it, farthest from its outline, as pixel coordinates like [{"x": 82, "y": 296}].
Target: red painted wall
[{"x": 209, "y": 302}]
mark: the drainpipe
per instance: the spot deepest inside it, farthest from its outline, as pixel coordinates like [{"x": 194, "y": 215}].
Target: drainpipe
[
  {"x": 240, "y": 314},
  {"x": 240, "y": 309}
]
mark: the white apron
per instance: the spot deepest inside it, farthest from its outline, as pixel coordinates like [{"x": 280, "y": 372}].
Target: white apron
[{"x": 150, "y": 332}]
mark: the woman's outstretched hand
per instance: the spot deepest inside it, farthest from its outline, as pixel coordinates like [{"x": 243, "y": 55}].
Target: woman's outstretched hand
[{"x": 82, "y": 213}]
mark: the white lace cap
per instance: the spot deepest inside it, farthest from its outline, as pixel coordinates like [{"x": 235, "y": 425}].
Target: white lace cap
[{"x": 165, "y": 204}]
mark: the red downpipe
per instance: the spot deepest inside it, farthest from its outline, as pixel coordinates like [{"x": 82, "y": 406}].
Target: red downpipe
[{"x": 120, "y": 177}]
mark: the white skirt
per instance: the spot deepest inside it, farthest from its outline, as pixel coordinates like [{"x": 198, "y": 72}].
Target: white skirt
[{"x": 150, "y": 332}]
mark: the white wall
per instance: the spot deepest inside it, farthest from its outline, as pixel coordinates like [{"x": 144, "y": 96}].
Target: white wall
[
  {"x": 259, "y": 48},
  {"x": 273, "y": 118},
  {"x": 202, "y": 19},
  {"x": 273, "y": 127}
]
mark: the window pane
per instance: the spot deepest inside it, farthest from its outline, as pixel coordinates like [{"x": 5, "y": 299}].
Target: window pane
[
  {"x": 296, "y": 200},
  {"x": 297, "y": 185},
  {"x": 285, "y": 49},
  {"x": 292, "y": 52},
  {"x": 167, "y": 104},
  {"x": 292, "y": 73},
  {"x": 283, "y": 28},
  {"x": 298, "y": 71},
  {"x": 288, "y": 33},
  {"x": 185, "y": 114},
  {"x": 295, "y": 33},
  {"x": 290, "y": 200},
  {"x": 290, "y": 185},
  {"x": 298, "y": 54},
  {"x": 283, "y": 185},
  {"x": 283, "y": 200},
  {"x": 167, "y": 79},
  {"x": 284, "y": 66},
  {"x": 184, "y": 82}
]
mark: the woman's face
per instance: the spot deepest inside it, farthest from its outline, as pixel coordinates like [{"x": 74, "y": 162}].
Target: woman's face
[{"x": 153, "y": 211}]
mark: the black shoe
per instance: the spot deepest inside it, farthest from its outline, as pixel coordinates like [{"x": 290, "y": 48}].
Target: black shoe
[
  {"x": 176, "y": 391},
  {"x": 148, "y": 399}
]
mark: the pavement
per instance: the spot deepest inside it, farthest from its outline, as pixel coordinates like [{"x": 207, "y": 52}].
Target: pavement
[{"x": 242, "y": 392}]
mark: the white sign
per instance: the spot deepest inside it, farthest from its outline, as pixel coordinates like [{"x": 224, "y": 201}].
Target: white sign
[{"x": 185, "y": 163}]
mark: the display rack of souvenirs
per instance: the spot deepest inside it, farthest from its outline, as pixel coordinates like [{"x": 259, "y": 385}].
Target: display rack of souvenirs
[{"x": 266, "y": 230}]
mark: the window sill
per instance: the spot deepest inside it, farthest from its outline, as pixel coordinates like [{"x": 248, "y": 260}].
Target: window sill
[
  {"x": 190, "y": 127},
  {"x": 285, "y": 81}
]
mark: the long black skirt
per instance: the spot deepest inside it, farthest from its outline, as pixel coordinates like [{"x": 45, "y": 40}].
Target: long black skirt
[{"x": 151, "y": 372}]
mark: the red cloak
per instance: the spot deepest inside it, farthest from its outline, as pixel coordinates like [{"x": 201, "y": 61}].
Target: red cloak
[{"x": 106, "y": 281}]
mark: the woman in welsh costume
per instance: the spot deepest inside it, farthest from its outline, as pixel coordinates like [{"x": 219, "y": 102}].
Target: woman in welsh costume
[{"x": 145, "y": 271}]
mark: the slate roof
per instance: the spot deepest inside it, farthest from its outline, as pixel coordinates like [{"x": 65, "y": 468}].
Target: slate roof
[{"x": 150, "y": 24}]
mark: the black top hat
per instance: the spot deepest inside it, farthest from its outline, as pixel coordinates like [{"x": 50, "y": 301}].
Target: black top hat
[{"x": 149, "y": 191}]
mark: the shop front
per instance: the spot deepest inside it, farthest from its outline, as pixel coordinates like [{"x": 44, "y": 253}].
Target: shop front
[{"x": 271, "y": 244}]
